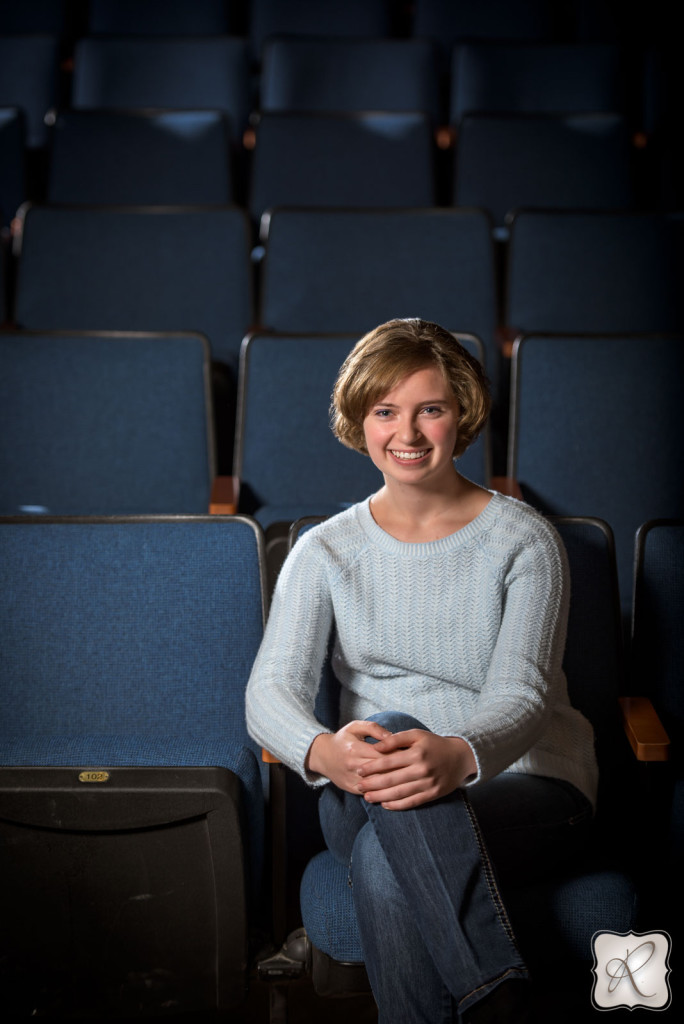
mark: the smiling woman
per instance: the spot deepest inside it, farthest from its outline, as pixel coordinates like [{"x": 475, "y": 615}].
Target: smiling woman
[{"x": 458, "y": 758}]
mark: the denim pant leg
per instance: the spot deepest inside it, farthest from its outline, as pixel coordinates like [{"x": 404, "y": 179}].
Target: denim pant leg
[
  {"x": 442, "y": 870},
  {"x": 404, "y": 980}
]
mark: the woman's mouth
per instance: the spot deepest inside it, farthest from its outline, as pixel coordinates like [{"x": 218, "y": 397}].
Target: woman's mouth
[{"x": 409, "y": 456}]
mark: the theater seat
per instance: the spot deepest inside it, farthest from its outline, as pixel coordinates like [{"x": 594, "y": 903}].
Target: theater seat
[{"x": 131, "y": 800}]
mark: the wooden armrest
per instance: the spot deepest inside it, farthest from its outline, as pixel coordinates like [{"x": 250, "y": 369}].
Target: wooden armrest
[
  {"x": 225, "y": 493},
  {"x": 445, "y": 136},
  {"x": 268, "y": 758},
  {"x": 507, "y": 485},
  {"x": 644, "y": 730},
  {"x": 506, "y": 338}
]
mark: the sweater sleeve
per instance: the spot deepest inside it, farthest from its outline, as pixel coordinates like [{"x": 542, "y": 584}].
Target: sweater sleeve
[
  {"x": 525, "y": 679},
  {"x": 285, "y": 677}
]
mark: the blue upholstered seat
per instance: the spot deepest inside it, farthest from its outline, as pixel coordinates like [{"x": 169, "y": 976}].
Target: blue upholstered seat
[
  {"x": 354, "y": 18},
  {"x": 336, "y": 74},
  {"x": 597, "y": 428},
  {"x": 12, "y": 163},
  {"x": 29, "y": 80},
  {"x": 131, "y": 800},
  {"x": 138, "y": 269},
  {"x": 351, "y": 160},
  {"x": 105, "y": 424},
  {"x": 536, "y": 77},
  {"x": 174, "y": 72},
  {"x": 141, "y": 158},
  {"x": 656, "y": 668},
  {"x": 350, "y": 270},
  {"x": 160, "y": 17},
  {"x": 572, "y": 271},
  {"x": 508, "y": 161}
]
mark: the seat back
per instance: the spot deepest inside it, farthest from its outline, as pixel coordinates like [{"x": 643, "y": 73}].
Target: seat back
[
  {"x": 578, "y": 445},
  {"x": 138, "y": 269},
  {"x": 159, "y": 17},
  {"x": 140, "y": 158},
  {"x": 104, "y": 424},
  {"x": 29, "y": 80},
  {"x": 131, "y": 802},
  {"x": 350, "y": 270},
  {"x": 595, "y": 272},
  {"x": 348, "y": 75},
  {"x": 581, "y": 161},
  {"x": 353, "y": 18},
  {"x": 350, "y": 160},
  {"x": 32, "y": 16},
  {"x": 12, "y": 163},
  {"x": 535, "y": 77},
  {"x": 657, "y": 649},
  {"x": 593, "y": 661},
  {"x": 185, "y": 73}
]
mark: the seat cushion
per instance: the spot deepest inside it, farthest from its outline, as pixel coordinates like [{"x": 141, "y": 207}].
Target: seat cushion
[{"x": 547, "y": 916}]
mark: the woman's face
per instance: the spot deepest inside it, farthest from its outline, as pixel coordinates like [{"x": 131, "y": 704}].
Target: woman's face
[{"x": 411, "y": 431}]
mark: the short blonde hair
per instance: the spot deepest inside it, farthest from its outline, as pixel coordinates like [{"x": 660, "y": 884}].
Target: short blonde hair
[{"x": 390, "y": 353}]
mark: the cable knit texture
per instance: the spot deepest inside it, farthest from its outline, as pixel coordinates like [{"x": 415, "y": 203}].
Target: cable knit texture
[{"x": 465, "y": 633}]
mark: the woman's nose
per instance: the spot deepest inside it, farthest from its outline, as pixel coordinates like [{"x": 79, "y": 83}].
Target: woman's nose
[{"x": 408, "y": 431}]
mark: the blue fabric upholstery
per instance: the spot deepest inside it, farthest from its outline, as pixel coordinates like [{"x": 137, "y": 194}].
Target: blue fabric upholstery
[
  {"x": 577, "y": 445},
  {"x": 104, "y": 424},
  {"x": 159, "y": 17},
  {"x": 572, "y": 271},
  {"x": 353, "y": 160},
  {"x": 29, "y": 70},
  {"x": 186, "y": 73},
  {"x": 348, "y": 75},
  {"x": 139, "y": 158},
  {"x": 583, "y": 161},
  {"x": 566, "y": 912},
  {"x": 161, "y": 269},
  {"x": 129, "y": 642},
  {"x": 310, "y": 17},
  {"x": 12, "y": 163},
  {"x": 328, "y": 909},
  {"x": 348, "y": 270},
  {"x": 33, "y": 16},
  {"x": 536, "y": 77},
  {"x": 658, "y": 651}
]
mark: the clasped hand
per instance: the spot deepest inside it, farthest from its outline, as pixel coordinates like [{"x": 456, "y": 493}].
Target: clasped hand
[{"x": 400, "y": 771}]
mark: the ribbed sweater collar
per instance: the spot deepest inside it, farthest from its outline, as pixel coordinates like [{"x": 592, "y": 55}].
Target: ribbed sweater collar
[{"x": 380, "y": 538}]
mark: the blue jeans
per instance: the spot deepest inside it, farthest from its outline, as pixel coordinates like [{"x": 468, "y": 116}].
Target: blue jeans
[{"x": 434, "y": 930}]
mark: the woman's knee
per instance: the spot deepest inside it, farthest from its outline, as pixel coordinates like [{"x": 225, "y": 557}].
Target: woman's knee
[{"x": 396, "y": 721}]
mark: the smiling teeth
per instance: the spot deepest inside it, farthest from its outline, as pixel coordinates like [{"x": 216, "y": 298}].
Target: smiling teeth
[{"x": 409, "y": 456}]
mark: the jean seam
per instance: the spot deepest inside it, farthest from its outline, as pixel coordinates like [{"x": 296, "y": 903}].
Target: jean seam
[{"x": 489, "y": 876}]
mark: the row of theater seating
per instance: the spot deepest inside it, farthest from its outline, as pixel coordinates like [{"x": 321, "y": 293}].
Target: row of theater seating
[
  {"x": 122, "y": 423},
  {"x": 635, "y": 78},
  {"x": 341, "y": 272},
  {"x": 137, "y": 831},
  {"x": 499, "y": 162}
]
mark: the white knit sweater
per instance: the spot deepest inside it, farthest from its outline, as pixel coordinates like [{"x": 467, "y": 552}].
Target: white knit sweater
[{"x": 465, "y": 633}]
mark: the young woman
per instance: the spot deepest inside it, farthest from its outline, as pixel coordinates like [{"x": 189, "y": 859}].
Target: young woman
[{"x": 458, "y": 760}]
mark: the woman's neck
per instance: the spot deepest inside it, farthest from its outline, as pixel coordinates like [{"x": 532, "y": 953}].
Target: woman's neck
[{"x": 418, "y": 515}]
